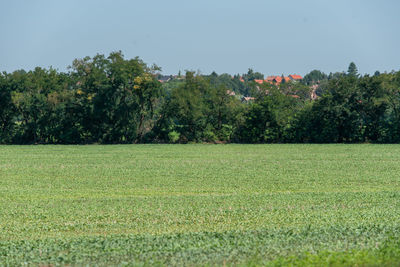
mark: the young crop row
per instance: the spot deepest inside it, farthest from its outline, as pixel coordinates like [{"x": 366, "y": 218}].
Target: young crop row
[{"x": 294, "y": 245}]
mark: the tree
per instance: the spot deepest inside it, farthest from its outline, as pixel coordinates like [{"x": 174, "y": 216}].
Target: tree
[
  {"x": 315, "y": 76},
  {"x": 116, "y": 100},
  {"x": 335, "y": 117},
  {"x": 116, "y": 97},
  {"x": 7, "y": 110},
  {"x": 184, "y": 111},
  {"x": 38, "y": 98},
  {"x": 259, "y": 125},
  {"x": 352, "y": 70},
  {"x": 198, "y": 110},
  {"x": 251, "y": 75}
]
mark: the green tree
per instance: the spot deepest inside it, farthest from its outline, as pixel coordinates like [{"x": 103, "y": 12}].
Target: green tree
[
  {"x": 185, "y": 111},
  {"x": 198, "y": 110},
  {"x": 259, "y": 125},
  {"x": 36, "y": 96},
  {"x": 352, "y": 70},
  {"x": 116, "y": 97},
  {"x": 335, "y": 117},
  {"x": 315, "y": 76},
  {"x": 7, "y": 110},
  {"x": 251, "y": 75}
]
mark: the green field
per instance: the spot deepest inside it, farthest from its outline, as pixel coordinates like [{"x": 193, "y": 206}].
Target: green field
[{"x": 200, "y": 205}]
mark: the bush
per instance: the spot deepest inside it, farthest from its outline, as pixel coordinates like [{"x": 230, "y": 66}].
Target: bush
[
  {"x": 174, "y": 136},
  {"x": 226, "y": 132},
  {"x": 209, "y": 135}
]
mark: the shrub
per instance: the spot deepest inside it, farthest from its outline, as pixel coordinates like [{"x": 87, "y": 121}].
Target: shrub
[{"x": 173, "y": 136}]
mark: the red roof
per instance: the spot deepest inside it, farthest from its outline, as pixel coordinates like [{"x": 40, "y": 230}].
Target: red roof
[
  {"x": 259, "y": 81},
  {"x": 278, "y": 79},
  {"x": 275, "y": 79},
  {"x": 295, "y": 77}
]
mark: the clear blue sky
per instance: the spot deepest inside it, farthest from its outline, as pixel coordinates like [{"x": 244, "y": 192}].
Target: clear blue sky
[{"x": 273, "y": 37}]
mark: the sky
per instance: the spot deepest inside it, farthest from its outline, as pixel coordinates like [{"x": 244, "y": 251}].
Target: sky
[{"x": 226, "y": 36}]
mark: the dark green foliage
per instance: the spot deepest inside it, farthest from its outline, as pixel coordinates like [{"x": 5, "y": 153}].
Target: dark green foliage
[
  {"x": 116, "y": 97},
  {"x": 40, "y": 98},
  {"x": 314, "y": 76},
  {"x": 251, "y": 75},
  {"x": 335, "y": 117},
  {"x": 352, "y": 70},
  {"x": 352, "y": 110},
  {"x": 260, "y": 120},
  {"x": 106, "y": 100},
  {"x": 198, "y": 110},
  {"x": 260, "y": 125},
  {"x": 117, "y": 100},
  {"x": 269, "y": 117},
  {"x": 7, "y": 110}
]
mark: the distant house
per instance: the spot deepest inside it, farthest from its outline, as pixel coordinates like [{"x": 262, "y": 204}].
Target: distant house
[
  {"x": 270, "y": 79},
  {"x": 314, "y": 88},
  {"x": 229, "y": 92},
  {"x": 164, "y": 78},
  {"x": 295, "y": 77},
  {"x": 279, "y": 79},
  {"x": 274, "y": 79},
  {"x": 247, "y": 99},
  {"x": 178, "y": 77}
]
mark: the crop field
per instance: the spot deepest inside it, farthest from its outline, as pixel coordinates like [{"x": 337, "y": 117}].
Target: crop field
[{"x": 191, "y": 205}]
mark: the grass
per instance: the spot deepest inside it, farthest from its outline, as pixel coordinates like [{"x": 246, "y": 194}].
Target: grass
[{"x": 200, "y": 205}]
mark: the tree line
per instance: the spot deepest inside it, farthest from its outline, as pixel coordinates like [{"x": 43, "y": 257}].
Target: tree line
[{"x": 116, "y": 100}]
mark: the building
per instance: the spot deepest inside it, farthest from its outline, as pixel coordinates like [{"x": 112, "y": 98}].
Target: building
[
  {"x": 295, "y": 77},
  {"x": 229, "y": 92},
  {"x": 164, "y": 78}
]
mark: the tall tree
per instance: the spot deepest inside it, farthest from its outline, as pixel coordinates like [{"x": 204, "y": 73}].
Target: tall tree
[
  {"x": 352, "y": 70},
  {"x": 116, "y": 97},
  {"x": 7, "y": 110},
  {"x": 315, "y": 76}
]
